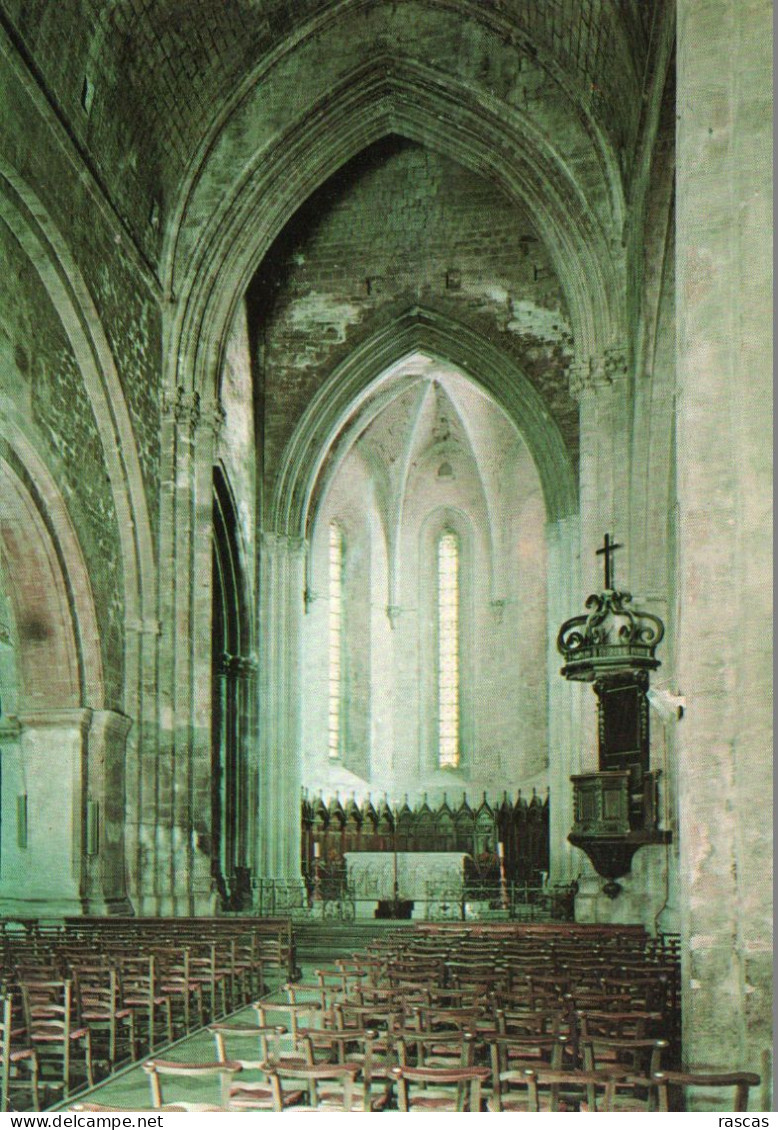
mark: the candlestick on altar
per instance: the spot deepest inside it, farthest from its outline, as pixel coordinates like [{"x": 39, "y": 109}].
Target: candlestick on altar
[
  {"x": 503, "y": 882},
  {"x": 316, "y": 875}
]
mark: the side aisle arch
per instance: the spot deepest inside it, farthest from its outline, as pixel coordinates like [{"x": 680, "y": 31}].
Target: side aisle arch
[{"x": 78, "y": 725}]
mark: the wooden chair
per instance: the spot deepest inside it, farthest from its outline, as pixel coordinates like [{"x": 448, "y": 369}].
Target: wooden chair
[
  {"x": 54, "y": 1030},
  {"x": 265, "y": 1043},
  {"x": 103, "y": 1012},
  {"x": 636, "y": 1024},
  {"x": 141, "y": 994},
  {"x": 291, "y": 1008},
  {"x": 640, "y": 1058},
  {"x": 521, "y": 1022},
  {"x": 434, "y": 1049},
  {"x": 739, "y": 1081},
  {"x": 329, "y": 1086},
  {"x": 571, "y": 1090},
  {"x": 432, "y": 1018},
  {"x": 385, "y": 1018},
  {"x": 158, "y": 1068},
  {"x": 212, "y": 971},
  {"x": 16, "y": 1060},
  {"x": 510, "y": 1054},
  {"x": 365, "y": 1048},
  {"x": 440, "y": 1088},
  {"x": 176, "y": 982},
  {"x": 249, "y": 967}
]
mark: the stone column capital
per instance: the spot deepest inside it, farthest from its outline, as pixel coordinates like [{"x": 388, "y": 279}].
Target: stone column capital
[
  {"x": 182, "y": 409},
  {"x": 240, "y": 666},
  {"x": 77, "y": 717},
  {"x": 599, "y": 371},
  {"x": 273, "y": 542},
  {"x": 217, "y": 420}
]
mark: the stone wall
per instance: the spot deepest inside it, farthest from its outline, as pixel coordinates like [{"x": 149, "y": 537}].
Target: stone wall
[
  {"x": 118, "y": 281},
  {"x": 40, "y": 384},
  {"x": 400, "y": 227}
]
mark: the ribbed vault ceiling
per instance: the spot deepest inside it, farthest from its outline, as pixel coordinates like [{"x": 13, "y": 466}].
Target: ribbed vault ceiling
[{"x": 159, "y": 72}]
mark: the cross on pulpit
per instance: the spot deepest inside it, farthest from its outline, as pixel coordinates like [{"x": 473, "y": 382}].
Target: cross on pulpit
[{"x": 608, "y": 549}]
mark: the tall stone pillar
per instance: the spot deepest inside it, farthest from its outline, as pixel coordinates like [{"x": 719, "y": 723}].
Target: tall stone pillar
[
  {"x": 44, "y": 766},
  {"x": 282, "y": 584},
  {"x": 564, "y": 699},
  {"x": 104, "y": 878},
  {"x": 63, "y": 813},
  {"x": 175, "y": 842},
  {"x": 601, "y": 384},
  {"x": 724, "y": 319}
]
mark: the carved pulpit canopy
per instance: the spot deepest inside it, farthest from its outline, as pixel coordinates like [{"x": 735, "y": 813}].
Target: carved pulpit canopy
[
  {"x": 612, "y": 647},
  {"x": 612, "y": 636}
]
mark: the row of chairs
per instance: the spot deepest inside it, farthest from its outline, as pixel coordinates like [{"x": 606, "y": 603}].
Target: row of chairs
[
  {"x": 81, "y": 1001},
  {"x": 426, "y": 1071},
  {"x": 453, "y": 1020}
]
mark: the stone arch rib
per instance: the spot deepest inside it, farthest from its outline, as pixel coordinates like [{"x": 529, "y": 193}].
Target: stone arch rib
[
  {"x": 390, "y": 97},
  {"x": 48, "y": 573},
  {"x": 351, "y": 383},
  {"x": 37, "y": 234}
]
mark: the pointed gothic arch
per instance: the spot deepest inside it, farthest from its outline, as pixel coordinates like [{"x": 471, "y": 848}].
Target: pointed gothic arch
[
  {"x": 385, "y": 96},
  {"x": 352, "y": 383}
]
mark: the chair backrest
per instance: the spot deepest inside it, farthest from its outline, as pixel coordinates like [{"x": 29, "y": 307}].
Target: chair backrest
[
  {"x": 439, "y": 1049},
  {"x": 640, "y": 1057},
  {"x": 511, "y": 1056},
  {"x": 223, "y": 1072},
  {"x": 293, "y": 1009},
  {"x": 49, "y": 1010},
  {"x": 739, "y": 1081},
  {"x": 387, "y": 1016},
  {"x": 433, "y": 1018},
  {"x": 627, "y": 1024},
  {"x": 263, "y": 1040},
  {"x": 571, "y": 1090},
  {"x": 440, "y": 1088},
  {"x": 340, "y": 1076}
]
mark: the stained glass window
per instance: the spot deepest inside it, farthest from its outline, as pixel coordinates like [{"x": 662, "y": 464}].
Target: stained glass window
[
  {"x": 337, "y": 557},
  {"x": 448, "y": 650}
]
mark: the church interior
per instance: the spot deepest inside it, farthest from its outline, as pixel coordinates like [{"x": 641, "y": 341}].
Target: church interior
[{"x": 385, "y": 554}]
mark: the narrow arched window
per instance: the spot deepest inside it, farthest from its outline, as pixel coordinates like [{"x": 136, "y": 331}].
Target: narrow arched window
[
  {"x": 448, "y": 650},
  {"x": 335, "y": 717}
]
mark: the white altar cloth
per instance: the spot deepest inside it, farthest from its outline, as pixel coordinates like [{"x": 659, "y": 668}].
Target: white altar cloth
[{"x": 422, "y": 876}]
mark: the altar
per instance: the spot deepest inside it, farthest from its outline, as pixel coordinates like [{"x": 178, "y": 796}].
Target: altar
[{"x": 422, "y": 877}]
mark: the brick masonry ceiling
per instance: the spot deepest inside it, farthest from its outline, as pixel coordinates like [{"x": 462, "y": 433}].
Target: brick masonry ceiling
[{"x": 143, "y": 82}]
